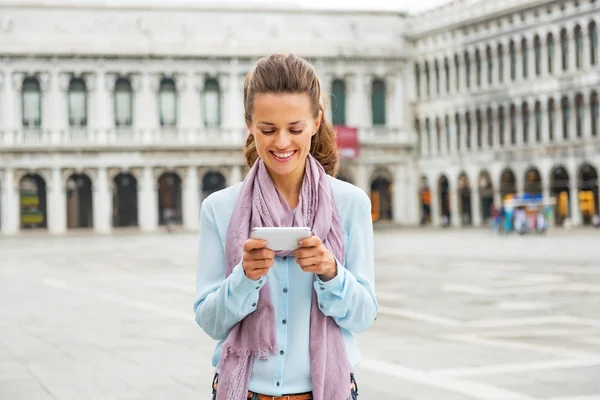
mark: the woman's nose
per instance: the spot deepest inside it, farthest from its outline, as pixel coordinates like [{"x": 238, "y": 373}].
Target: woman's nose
[{"x": 282, "y": 140}]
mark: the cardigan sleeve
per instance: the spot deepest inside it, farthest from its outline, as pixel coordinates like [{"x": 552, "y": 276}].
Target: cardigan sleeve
[
  {"x": 350, "y": 297},
  {"x": 220, "y": 302}
]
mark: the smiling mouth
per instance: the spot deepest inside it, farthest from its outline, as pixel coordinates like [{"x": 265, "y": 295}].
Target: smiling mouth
[{"x": 283, "y": 156}]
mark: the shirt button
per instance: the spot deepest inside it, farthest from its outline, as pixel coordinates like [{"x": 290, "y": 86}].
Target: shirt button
[
  {"x": 284, "y": 322},
  {"x": 284, "y": 290},
  {"x": 322, "y": 288},
  {"x": 282, "y": 352},
  {"x": 253, "y": 304},
  {"x": 284, "y": 258},
  {"x": 277, "y": 383},
  {"x": 259, "y": 282},
  {"x": 258, "y": 287}
]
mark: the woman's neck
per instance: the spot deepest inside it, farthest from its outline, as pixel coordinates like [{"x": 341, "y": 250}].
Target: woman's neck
[{"x": 289, "y": 186}]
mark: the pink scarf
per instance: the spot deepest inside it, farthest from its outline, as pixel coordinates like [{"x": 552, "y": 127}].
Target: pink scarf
[{"x": 261, "y": 205}]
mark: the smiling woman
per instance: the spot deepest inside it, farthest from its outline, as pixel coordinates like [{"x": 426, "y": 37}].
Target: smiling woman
[{"x": 283, "y": 317}]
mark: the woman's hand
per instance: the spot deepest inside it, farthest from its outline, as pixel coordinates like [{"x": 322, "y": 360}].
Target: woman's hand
[
  {"x": 312, "y": 256},
  {"x": 257, "y": 259}
]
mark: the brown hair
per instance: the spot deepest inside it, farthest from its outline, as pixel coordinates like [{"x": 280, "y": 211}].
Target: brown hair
[{"x": 281, "y": 73}]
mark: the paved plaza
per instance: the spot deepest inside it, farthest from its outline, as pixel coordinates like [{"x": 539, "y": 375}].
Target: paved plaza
[{"x": 463, "y": 315}]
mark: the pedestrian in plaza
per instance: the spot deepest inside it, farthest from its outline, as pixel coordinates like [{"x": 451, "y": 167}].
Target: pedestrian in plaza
[{"x": 285, "y": 320}]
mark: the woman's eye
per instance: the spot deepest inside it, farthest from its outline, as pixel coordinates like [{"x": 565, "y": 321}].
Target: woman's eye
[
  {"x": 267, "y": 132},
  {"x": 296, "y": 131}
]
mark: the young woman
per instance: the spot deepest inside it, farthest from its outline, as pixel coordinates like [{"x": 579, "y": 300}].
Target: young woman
[{"x": 285, "y": 321}]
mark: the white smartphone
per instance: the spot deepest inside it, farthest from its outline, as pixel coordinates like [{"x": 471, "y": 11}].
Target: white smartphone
[{"x": 281, "y": 238}]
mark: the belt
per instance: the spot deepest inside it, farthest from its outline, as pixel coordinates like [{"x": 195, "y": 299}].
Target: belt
[{"x": 304, "y": 396}]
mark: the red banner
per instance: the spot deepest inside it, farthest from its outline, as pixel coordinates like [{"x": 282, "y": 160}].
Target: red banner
[{"x": 347, "y": 141}]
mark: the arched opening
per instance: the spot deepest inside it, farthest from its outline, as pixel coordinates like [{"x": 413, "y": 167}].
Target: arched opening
[
  {"x": 427, "y": 80},
  {"x": 125, "y": 204},
  {"x": 525, "y": 121},
  {"x": 212, "y": 182},
  {"x": 593, "y": 40},
  {"x": 579, "y": 115},
  {"x": 425, "y": 197},
  {"x": 578, "y": 46},
  {"x": 169, "y": 199},
  {"x": 381, "y": 199},
  {"x": 77, "y": 103},
  {"x": 565, "y": 117},
  {"x": 123, "y": 103},
  {"x": 467, "y": 70},
  {"x": 79, "y": 202},
  {"x": 589, "y": 204},
  {"x": 533, "y": 182},
  {"x": 490, "y": 65},
  {"x": 551, "y": 120},
  {"x": 508, "y": 184},
  {"x": 31, "y": 103},
  {"x": 564, "y": 47},
  {"x": 559, "y": 188},
  {"x": 464, "y": 199},
  {"x": 417, "y": 82},
  {"x": 436, "y": 68},
  {"x": 444, "y": 191},
  {"x": 537, "y": 48},
  {"x": 594, "y": 113},
  {"x": 212, "y": 103},
  {"x": 500, "y": 57},
  {"x": 378, "y": 105},
  {"x": 550, "y": 53},
  {"x": 32, "y": 200},
  {"x": 524, "y": 57},
  {"x": 447, "y": 74},
  {"x": 486, "y": 195}
]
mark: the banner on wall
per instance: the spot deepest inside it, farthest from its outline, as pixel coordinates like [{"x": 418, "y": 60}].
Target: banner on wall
[{"x": 347, "y": 141}]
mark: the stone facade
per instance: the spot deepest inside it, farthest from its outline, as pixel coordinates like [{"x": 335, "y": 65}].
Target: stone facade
[
  {"x": 505, "y": 100},
  {"x": 119, "y": 115}
]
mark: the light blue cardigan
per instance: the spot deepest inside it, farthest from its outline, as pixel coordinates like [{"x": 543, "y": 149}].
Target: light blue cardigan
[{"x": 349, "y": 298}]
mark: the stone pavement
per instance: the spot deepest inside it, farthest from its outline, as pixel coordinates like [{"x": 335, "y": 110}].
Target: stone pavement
[{"x": 463, "y": 315}]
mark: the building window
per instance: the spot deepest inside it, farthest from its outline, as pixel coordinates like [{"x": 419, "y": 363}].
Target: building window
[
  {"x": 538, "y": 55},
  {"x": 447, "y": 72},
  {"x": 438, "y": 135},
  {"x": 594, "y": 111},
  {"x": 123, "y": 103},
  {"x": 419, "y": 136},
  {"x": 513, "y": 60},
  {"x": 457, "y": 71},
  {"x": 427, "y": 80},
  {"x": 31, "y": 103},
  {"x": 500, "y": 64},
  {"x": 564, "y": 47},
  {"x": 468, "y": 129},
  {"x": 448, "y": 132},
  {"x": 551, "y": 119},
  {"x": 479, "y": 128},
  {"x": 77, "y": 103},
  {"x": 490, "y": 127},
  {"x": 501, "y": 126},
  {"x": 467, "y": 70},
  {"x": 524, "y": 57},
  {"x": 490, "y": 64},
  {"x": 378, "y": 102},
  {"x": 578, "y": 46},
  {"x": 513, "y": 124},
  {"x": 428, "y": 133},
  {"x": 458, "y": 133},
  {"x": 593, "y": 38},
  {"x": 417, "y": 80},
  {"x": 212, "y": 103},
  {"x": 579, "y": 122},
  {"x": 525, "y": 122},
  {"x": 550, "y": 46},
  {"x": 437, "y": 76},
  {"x": 477, "y": 68},
  {"x": 338, "y": 101},
  {"x": 566, "y": 116},
  {"x": 538, "y": 122},
  {"x": 168, "y": 103}
]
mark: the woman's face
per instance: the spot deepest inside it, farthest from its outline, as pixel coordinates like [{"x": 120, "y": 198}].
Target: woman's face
[{"x": 283, "y": 125}]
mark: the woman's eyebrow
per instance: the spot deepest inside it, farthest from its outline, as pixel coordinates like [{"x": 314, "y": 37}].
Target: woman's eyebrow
[{"x": 272, "y": 124}]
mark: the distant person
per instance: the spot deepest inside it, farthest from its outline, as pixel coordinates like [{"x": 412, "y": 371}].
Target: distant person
[
  {"x": 285, "y": 320},
  {"x": 596, "y": 221}
]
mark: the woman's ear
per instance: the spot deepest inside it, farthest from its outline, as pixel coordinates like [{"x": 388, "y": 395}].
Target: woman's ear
[{"x": 318, "y": 121}]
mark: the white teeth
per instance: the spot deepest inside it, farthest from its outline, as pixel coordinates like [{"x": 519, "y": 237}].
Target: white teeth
[{"x": 284, "y": 155}]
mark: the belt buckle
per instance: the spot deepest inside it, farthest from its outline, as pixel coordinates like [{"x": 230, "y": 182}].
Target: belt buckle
[{"x": 280, "y": 398}]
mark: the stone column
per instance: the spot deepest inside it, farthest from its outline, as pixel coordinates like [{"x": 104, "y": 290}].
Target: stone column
[
  {"x": 362, "y": 178},
  {"x": 145, "y": 105},
  {"x": 545, "y": 125},
  {"x": 587, "y": 116},
  {"x": 357, "y": 101},
  {"x": 57, "y": 203},
  {"x": 102, "y": 202},
  {"x": 531, "y": 73},
  {"x": 236, "y": 175},
  {"x": 475, "y": 203},
  {"x": 455, "y": 214},
  {"x": 104, "y": 115},
  {"x": 435, "y": 204},
  {"x": 147, "y": 201},
  {"x": 92, "y": 104},
  {"x": 199, "y": 92},
  {"x": 326, "y": 81},
  {"x": 574, "y": 211},
  {"x": 413, "y": 210},
  {"x": 191, "y": 200},
  {"x": 392, "y": 106},
  {"x": 507, "y": 65},
  {"x": 229, "y": 84},
  {"x": 9, "y": 199},
  {"x": 9, "y": 93},
  {"x": 399, "y": 193}
]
